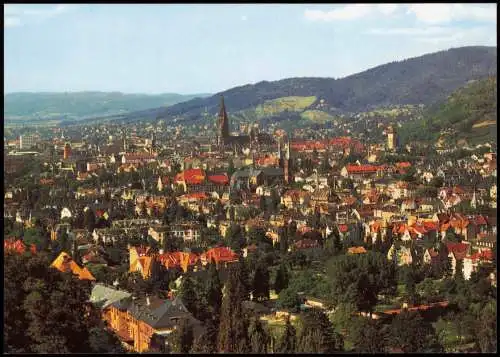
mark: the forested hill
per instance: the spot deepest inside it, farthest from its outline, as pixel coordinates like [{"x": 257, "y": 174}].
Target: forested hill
[
  {"x": 467, "y": 116},
  {"x": 421, "y": 80},
  {"x": 75, "y": 105}
]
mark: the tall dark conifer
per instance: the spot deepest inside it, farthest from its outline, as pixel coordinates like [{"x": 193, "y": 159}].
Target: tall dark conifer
[
  {"x": 214, "y": 292},
  {"x": 261, "y": 281},
  {"x": 188, "y": 294},
  {"x": 281, "y": 281},
  {"x": 318, "y": 335},
  {"x": 233, "y": 327}
]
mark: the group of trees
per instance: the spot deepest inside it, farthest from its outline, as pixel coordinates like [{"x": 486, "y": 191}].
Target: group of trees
[{"x": 46, "y": 311}]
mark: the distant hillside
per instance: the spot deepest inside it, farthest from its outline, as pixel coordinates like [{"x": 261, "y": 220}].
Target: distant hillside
[
  {"x": 469, "y": 115},
  {"x": 421, "y": 80},
  {"x": 77, "y": 105}
]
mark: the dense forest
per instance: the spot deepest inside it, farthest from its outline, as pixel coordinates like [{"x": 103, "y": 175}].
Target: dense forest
[{"x": 469, "y": 113}]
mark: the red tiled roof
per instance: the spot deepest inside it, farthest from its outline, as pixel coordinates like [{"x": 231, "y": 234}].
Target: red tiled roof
[
  {"x": 484, "y": 255},
  {"x": 430, "y": 226},
  {"x": 220, "y": 254},
  {"x": 220, "y": 179},
  {"x": 343, "y": 228},
  {"x": 139, "y": 156},
  {"x": 458, "y": 249},
  {"x": 191, "y": 176},
  {"x": 362, "y": 168},
  {"x": 14, "y": 246},
  {"x": 479, "y": 220},
  {"x": 401, "y": 165},
  {"x": 419, "y": 307},
  {"x": 195, "y": 195}
]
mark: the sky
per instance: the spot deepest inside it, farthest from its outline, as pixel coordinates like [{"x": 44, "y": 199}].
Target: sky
[{"x": 161, "y": 48}]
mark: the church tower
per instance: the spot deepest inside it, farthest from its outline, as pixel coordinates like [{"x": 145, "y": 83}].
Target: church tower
[
  {"x": 391, "y": 139},
  {"x": 222, "y": 124},
  {"x": 286, "y": 162}
]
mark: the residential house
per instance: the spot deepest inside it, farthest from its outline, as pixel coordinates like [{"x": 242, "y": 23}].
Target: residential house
[
  {"x": 221, "y": 255},
  {"x": 456, "y": 251},
  {"x": 431, "y": 256},
  {"x": 402, "y": 255},
  {"x": 135, "y": 321},
  {"x": 472, "y": 262},
  {"x": 64, "y": 263}
]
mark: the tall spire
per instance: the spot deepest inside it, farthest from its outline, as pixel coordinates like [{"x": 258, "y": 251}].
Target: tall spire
[{"x": 223, "y": 122}]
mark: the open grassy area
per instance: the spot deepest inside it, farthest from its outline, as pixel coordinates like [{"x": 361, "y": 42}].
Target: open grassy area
[
  {"x": 317, "y": 116},
  {"x": 279, "y": 105}
]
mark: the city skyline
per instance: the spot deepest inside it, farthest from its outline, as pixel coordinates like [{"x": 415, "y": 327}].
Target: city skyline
[{"x": 210, "y": 48}]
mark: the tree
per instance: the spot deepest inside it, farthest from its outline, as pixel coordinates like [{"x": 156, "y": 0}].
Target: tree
[
  {"x": 37, "y": 299},
  {"x": 288, "y": 341},
  {"x": 411, "y": 333},
  {"x": 230, "y": 169},
  {"x": 244, "y": 286},
  {"x": 182, "y": 338},
  {"x": 459, "y": 270},
  {"x": 368, "y": 336},
  {"x": 103, "y": 341},
  {"x": 214, "y": 292},
  {"x": 283, "y": 241},
  {"x": 360, "y": 279},
  {"x": 275, "y": 200},
  {"x": 89, "y": 220},
  {"x": 259, "y": 338},
  {"x": 188, "y": 295},
  {"x": 261, "y": 282},
  {"x": 33, "y": 236},
  {"x": 235, "y": 238},
  {"x": 318, "y": 335},
  {"x": 233, "y": 327},
  {"x": 207, "y": 341},
  {"x": 262, "y": 203},
  {"x": 487, "y": 327},
  {"x": 289, "y": 299},
  {"x": 281, "y": 281},
  {"x": 409, "y": 279}
]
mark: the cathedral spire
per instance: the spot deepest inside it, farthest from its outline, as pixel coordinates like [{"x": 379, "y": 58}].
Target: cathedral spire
[{"x": 223, "y": 123}]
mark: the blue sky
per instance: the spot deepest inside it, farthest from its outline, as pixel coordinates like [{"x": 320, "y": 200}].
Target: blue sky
[{"x": 209, "y": 48}]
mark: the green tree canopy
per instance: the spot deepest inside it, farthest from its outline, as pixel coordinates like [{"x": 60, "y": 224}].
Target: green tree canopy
[
  {"x": 318, "y": 335},
  {"x": 360, "y": 278}
]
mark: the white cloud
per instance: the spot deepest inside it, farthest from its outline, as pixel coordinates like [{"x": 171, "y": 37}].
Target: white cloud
[
  {"x": 387, "y": 9},
  {"x": 348, "y": 12},
  {"x": 444, "y": 13},
  {"x": 427, "y": 13},
  {"x": 17, "y": 14}
]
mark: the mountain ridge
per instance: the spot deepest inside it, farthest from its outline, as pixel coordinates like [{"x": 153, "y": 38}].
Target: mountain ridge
[{"x": 418, "y": 80}]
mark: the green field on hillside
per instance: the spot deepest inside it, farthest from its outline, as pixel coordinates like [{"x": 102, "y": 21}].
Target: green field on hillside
[
  {"x": 316, "y": 116},
  {"x": 279, "y": 105}
]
